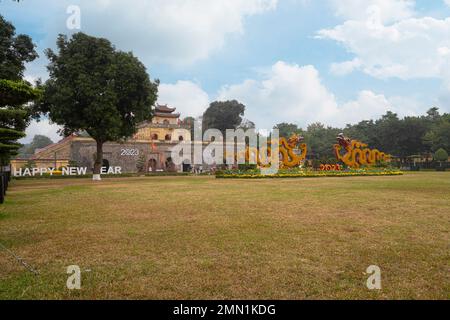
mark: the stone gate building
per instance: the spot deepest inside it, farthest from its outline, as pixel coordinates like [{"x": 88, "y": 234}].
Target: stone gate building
[{"x": 150, "y": 146}]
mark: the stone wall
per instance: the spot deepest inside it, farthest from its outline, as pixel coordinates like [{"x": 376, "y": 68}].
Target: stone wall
[
  {"x": 81, "y": 151},
  {"x": 125, "y": 155}
]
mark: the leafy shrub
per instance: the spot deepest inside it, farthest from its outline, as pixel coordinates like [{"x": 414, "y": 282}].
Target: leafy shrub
[
  {"x": 247, "y": 167},
  {"x": 441, "y": 155}
]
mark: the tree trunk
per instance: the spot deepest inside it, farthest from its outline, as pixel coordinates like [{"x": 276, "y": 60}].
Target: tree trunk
[{"x": 98, "y": 162}]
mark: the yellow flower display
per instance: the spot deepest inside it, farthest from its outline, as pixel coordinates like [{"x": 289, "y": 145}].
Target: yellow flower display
[
  {"x": 289, "y": 156},
  {"x": 358, "y": 154}
]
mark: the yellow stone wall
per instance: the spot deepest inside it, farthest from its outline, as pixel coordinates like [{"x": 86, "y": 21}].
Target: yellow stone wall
[
  {"x": 40, "y": 164},
  {"x": 186, "y": 134},
  {"x": 147, "y": 134},
  {"x": 160, "y": 120}
]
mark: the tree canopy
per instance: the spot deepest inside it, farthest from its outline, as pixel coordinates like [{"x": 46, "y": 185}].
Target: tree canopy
[
  {"x": 223, "y": 115},
  {"x": 399, "y": 137},
  {"x": 15, "y": 93},
  {"x": 441, "y": 155},
  {"x": 38, "y": 142},
  {"x": 15, "y": 51},
  {"x": 287, "y": 129},
  {"x": 95, "y": 88}
]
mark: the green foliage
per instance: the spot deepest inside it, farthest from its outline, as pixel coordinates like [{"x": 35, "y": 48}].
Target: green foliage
[
  {"x": 287, "y": 129},
  {"x": 15, "y": 51},
  {"x": 247, "y": 167},
  {"x": 381, "y": 164},
  {"x": 30, "y": 164},
  {"x": 331, "y": 161},
  {"x": 140, "y": 163},
  {"x": 441, "y": 155},
  {"x": 7, "y": 135},
  {"x": 223, "y": 115},
  {"x": 398, "y": 137},
  {"x": 97, "y": 89},
  {"x": 298, "y": 173},
  {"x": 320, "y": 140},
  {"x": 316, "y": 164},
  {"x": 15, "y": 93},
  {"x": 73, "y": 164},
  {"x": 14, "y": 118},
  {"x": 38, "y": 142},
  {"x": 8, "y": 138},
  {"x": 439, "y": 134}
]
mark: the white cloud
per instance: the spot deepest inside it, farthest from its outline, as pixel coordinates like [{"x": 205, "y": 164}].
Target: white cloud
[
  {"x": 344, "y": 68},
  {"x": 408, "y": 48},
  {"x": 287, "y": 93},
  {"x": 387, "y": 10},
  {"x": 43, "y": 127},
  {"x": 178, "y": 32},
  {"x": 368, "y": 105},
  {"x": 174, "y": 32},
  {"x": 283, "y": 93},
  {"x": 291, "y": 93},
  {"x": 188, "y": 97},
  {"x": 447, "y": 2}
]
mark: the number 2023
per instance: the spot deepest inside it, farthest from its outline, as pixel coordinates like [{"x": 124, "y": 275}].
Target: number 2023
[{"x": 129, "y": 152}]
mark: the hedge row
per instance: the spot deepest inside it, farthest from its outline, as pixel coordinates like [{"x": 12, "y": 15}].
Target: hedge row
[{"x": 310, "y": 175}]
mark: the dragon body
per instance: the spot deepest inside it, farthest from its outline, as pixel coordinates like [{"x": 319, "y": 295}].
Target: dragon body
[
  {"x": 357, "y": 153},
  {"x": 289, "y": 157}
]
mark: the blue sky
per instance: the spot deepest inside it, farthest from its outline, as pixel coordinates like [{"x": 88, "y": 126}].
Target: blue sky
[{"x": 297, "y": 61}]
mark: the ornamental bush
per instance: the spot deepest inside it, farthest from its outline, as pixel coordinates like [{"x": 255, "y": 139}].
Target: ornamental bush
[{"x": 441, "y": 155}]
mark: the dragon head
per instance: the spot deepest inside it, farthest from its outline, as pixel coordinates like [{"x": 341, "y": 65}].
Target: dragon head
[
  {"x": 343, "y": 141},
  {"x": 295, "y": 140}
]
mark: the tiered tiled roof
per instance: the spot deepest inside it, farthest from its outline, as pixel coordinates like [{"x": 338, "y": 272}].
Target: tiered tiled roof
[{"x": 165, "y": 111}]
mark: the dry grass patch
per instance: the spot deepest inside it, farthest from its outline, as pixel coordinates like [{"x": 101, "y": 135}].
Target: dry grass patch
[{"x": 201, "y": 238}]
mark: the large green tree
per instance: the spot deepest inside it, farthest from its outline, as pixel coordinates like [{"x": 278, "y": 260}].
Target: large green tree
[
  {"x": 97, "y": 89},
  {"x": 15, "y": 93},
  {"x": 320, "y": 140},
  {"x": 223, "y": 115},
  {"x": 15, "y": 51},
  {"x": 363, "y": 131},
  {"x": 439, "y": 134},
  {"x": 387, "y": 130},
  {"x": 410, "y": 137}
]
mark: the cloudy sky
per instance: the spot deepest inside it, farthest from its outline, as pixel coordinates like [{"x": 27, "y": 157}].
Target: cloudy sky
[{"x": 299, "y": 61}]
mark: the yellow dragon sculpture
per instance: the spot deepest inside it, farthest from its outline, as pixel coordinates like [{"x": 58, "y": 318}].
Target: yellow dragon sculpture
[
  {"x": 289, "y": 158},
  {"x": 357, "y": 153}
]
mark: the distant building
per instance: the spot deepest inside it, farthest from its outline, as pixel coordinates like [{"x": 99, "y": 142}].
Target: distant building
[{"x": 151, "y": 145}]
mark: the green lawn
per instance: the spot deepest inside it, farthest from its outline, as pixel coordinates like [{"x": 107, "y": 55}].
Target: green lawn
[{"x": 202, "y": 238}]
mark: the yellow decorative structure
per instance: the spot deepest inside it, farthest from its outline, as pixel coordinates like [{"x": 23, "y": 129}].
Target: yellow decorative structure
[
  {"x": 289, "y": 157},
  {"x": 357, "y": 153}
]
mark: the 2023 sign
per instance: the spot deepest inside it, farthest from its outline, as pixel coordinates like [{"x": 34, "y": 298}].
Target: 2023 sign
[
  {"x": 330, "y": 167},
  {"x": 129, "y": 152}
]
